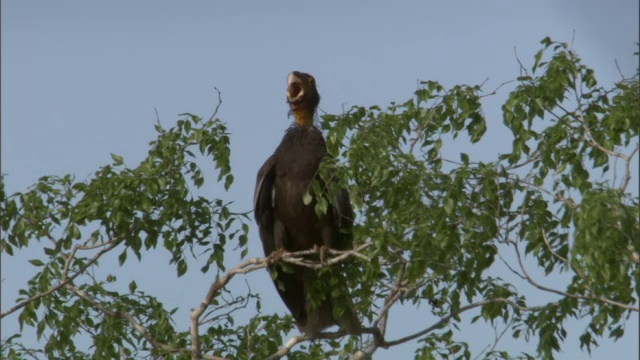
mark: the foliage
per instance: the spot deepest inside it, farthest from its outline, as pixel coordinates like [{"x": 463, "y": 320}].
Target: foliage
[{"x": 442, "y": 235}]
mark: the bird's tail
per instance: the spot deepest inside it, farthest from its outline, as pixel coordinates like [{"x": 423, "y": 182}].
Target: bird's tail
[
  {"x": 335, "y": 306},
  {"x": 344, "y": 313}
]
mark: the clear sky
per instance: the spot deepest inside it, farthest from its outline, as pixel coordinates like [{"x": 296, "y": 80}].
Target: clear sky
[{"x": 81, "y": 79}]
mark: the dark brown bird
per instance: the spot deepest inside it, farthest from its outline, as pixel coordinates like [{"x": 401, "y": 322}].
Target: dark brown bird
[{"x": 287, "y": 224}]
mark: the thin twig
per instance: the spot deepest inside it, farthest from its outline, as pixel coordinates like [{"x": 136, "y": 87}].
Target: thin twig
[
  {"x": 627, "y": 168},
  {"x": 298, "y": 339},
  {"x": 381, "y": 323},
  {"x": 491, "y": 347},
  {"x": 499, "y": 337},
  {"x": 523, "y": 70},
  {"x": 566, "y": 294},
  {"x": 245, "y": 267},
  {"x": 215, "y": 112},
  {"x": 251, "y": 265},
  {"x": 573, "y": 38},
  {"x": 447, "y": 318},
  {"x": 134, "y": 323},
  {"x": 122, "y": 315},
  {"x": 494, "y": 91},
  {"x": 619, "y": 70},
  {"x": 557, "y": 197},
  {"x": 555, "y": 254},
  {"x": 534, "y": 157},
  {"x": 302, "y": 338},
  {"x": 67, "y": 280},
  {"x": 157, "y": 117}
]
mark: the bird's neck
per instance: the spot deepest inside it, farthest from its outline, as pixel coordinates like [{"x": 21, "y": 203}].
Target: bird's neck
[{"x": 303, "y": 117}]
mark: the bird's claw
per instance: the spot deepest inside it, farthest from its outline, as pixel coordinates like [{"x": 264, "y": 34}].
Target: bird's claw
[
  {"x": 275, "y": 256},
  {"x": 323, "y": 251}
]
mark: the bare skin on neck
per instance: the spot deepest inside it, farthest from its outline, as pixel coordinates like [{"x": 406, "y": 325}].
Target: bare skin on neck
[{"x": 303, "y": 118}]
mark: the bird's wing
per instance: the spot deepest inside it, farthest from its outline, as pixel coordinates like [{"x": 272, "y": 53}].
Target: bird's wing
[
  {"x": 343, "y": 215},
  {"x": 263, "y": 204}
]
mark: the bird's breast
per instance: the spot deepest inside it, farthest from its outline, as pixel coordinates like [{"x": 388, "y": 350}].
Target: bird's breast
[{"x": 296, "y": 164}]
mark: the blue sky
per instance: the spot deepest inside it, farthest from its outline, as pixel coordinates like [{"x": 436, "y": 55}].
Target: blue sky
[{"x": 81, "y": 80}]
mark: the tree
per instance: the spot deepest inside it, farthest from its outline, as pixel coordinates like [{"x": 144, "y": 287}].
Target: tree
[{"x": 452, "y": 237}]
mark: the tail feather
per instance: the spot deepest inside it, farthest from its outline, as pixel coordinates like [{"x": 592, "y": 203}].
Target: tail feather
[{"x": 334, "y": 308}]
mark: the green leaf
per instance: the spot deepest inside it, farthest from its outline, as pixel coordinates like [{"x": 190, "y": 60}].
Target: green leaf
[
  {"x": 464, "y": 158},
  {"x": 307, "y": 198},
  {"x": 122, "y": 257},
  {"x": 436, "y": 223},
  {"x": 448, "y": 205},
  {"x": 117, "y": 160},
  {"x": 36, "y": 262},
  {"x": 132, "y": 286},
  {"x": 182, "y": 267}
]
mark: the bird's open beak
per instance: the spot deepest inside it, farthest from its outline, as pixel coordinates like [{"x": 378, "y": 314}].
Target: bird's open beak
[{"x": 295, "y": 92}]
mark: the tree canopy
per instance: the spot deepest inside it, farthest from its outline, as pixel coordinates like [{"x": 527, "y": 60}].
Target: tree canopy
[{"x": 436, "y": 230}]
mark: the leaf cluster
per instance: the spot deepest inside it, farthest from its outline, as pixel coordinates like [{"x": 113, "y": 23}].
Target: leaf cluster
[
  {"x": 439, "y": 231},
  {"x": 128, "y": 210}
]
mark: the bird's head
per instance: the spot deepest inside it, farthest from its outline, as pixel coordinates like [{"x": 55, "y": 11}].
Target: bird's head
[{"x": 302, "y": 96}]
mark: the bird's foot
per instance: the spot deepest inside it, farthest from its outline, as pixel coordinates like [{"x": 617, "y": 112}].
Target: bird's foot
[
  {"x": 275, "y": 256},
  {"x": 323, "y": 251}
]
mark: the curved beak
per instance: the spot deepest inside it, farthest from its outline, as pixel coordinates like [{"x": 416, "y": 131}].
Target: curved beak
[{"x": 295, "y": 91}]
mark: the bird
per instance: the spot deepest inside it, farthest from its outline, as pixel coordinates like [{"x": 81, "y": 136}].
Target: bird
[{"x": 287, "y": 224}]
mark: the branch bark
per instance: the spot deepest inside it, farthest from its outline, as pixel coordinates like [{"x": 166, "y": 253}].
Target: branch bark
[
  {"x": 447, "y": 318},
  {"x": 381, "y": 323},
  {"x": 253, "y": 264}
]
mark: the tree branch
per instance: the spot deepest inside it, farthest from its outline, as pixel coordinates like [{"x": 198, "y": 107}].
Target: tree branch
[
  {"x": 253, "y": 264},
  {"x": 298, "y": 339},
  {"x": 215, "y": 112},
  {"x": 296, "y": 259},
  {"x": 592, "y": 141},
  {"x": 67, "y": 279},
  {"x": 381, "y": 323},
  {"x": 558, "y": 197},
  {"x": 325, "y": 336},
  {"x": 447, "y": 318},
  {"x": 555, "y": 254},
  {"x": 566, "y": 294},
  {"x": 123, "y": 315},
  {"x": 497, "y": 338},
  {"x": 134, "y": 323},
  {"x": 244, "y": 268},
  {"x": 494, "y": 91},
  {"x": 627, "y": 168}
]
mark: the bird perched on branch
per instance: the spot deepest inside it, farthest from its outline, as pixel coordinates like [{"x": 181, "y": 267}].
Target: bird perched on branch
[{"x": 287, "y": 224}]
